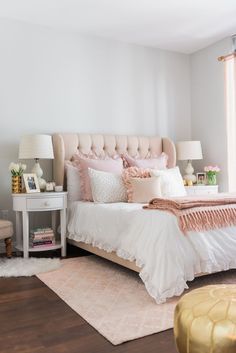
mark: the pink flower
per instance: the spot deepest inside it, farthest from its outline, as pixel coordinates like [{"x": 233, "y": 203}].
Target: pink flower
[{"x": 210, "y": 168}]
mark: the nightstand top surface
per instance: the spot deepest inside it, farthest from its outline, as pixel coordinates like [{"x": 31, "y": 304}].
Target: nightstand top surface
[{"x": 40, "y": 194}]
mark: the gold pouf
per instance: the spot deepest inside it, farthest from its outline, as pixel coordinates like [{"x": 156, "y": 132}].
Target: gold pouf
[{"x": 205, "y": 320}]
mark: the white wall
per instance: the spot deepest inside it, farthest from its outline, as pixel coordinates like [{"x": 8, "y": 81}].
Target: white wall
[
  {"x": 208, "y": 106},
  {"x": 53, "y": 81}
]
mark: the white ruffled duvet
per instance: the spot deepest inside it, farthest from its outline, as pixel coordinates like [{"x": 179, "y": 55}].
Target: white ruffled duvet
[{"x": 152, "y": 238}]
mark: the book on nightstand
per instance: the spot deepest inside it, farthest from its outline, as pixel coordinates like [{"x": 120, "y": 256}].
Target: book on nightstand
[{"x": 41, "y": 237}]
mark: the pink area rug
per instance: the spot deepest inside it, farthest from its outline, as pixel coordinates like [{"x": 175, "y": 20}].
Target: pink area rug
[{"x": 113, "y": 299}]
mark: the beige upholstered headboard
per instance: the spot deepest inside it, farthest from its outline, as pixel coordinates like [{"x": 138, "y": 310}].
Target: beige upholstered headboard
[{"x": 66, "y": 144}]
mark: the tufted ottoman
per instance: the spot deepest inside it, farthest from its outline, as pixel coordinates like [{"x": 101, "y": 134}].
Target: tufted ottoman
[
  {"x": 6, "y": 232},
  {"x": 205, "y": 320}
]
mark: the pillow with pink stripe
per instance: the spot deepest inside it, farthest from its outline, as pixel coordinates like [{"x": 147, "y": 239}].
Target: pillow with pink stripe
[
  {"x": 114, "y": 166},
  {"x": 152, "y": 163}
]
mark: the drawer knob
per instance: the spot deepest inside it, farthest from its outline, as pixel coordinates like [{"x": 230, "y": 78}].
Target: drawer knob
[{"x": 46, "y": 203}]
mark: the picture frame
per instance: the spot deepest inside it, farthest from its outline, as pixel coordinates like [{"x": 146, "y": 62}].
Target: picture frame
[
  {"x": 201, "y": 178},
  {"x": 31, "y": 183}
]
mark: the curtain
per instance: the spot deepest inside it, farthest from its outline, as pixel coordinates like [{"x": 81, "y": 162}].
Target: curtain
[{"x": 230, "y": 98}]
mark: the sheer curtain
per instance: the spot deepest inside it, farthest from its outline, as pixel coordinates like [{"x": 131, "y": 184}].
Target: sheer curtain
[{"x": 230, "y": 96}]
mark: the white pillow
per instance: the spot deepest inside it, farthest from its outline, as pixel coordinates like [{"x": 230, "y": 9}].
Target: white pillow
[
  {"x": 107, "y": 187},
  {"x": 73, "y": 183},
  {"x": 171, "y": 182}
]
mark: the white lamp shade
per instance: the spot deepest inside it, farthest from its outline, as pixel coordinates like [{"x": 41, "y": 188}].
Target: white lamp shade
[
  {"x": 36, "y": 146},
  {"x": 189, "y": 150}
]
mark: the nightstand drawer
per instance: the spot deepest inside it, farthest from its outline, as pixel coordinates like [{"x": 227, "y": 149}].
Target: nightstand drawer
[
  {"x": 202, "y": 189},
  {"x": 44, "y": 203}
]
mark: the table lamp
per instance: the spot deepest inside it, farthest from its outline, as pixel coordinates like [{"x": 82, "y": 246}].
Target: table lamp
[
  {"x": 36, "y": 147},
  {"x": 188, "y": 151}
]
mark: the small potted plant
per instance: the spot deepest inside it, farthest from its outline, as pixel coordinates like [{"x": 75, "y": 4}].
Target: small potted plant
[
  {"x": 17, "y": 170},
  {"x": 211, "y": 172}
]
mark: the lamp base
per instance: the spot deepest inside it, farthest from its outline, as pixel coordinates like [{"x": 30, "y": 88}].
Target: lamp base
[
  {"x": 189, "y": 176},
  {"x": 39, "y": 172}
]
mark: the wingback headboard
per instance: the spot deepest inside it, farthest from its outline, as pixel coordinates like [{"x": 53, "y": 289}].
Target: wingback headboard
[{"x": 66, "y": 144}]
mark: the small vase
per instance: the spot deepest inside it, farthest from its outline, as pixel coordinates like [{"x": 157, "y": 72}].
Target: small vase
[
  {"x": 16, "y": 184},
  {"x": 211, "y": 179}
]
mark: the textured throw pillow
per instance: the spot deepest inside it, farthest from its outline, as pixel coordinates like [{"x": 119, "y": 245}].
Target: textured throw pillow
[
  {"x": 153, "y": 163},
  {"x": 133, "y": 172},
  {"x": 144, "y": 190},
  {"x": 73, "y": 182},
  {"x": 171, "y": 182},
  {"x": 107, "y": 187},
  {"x": 114, "y": 166}
]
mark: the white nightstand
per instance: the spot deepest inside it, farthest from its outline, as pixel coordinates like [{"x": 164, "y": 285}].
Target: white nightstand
[
  {"x": 202, "y": 189},
  {"x": 23, "y": 204}
]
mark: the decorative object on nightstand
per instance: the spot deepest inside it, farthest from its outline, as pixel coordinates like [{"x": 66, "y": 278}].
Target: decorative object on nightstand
[
  {"x": 211, "y": 172},
  {"x": 201, "y": 189},
  {"x": 16, "y": 170},
  {"x": 25, "y": 204},
  {"x": 188, "y": 151},
  {"x": 31, "y": 183},
  {"x": 201, "y": 178},
  {"x": 36, "y": 147}
]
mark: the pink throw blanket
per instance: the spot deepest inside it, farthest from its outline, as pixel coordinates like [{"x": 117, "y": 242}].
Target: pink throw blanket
[{"x": 199, "y": 213}]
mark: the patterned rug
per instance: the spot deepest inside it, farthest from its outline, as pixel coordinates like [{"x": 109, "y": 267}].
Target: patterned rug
[{"x": 114, "y": 300}]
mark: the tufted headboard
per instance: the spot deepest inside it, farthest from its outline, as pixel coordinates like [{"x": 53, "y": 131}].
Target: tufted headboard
[{"x": 66, "y": 144}]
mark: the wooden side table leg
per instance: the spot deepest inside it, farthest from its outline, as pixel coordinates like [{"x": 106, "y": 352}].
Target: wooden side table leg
[
  {"x": 63, "y": 232},
  {"x": 8, "y": 243},
  {"x": 54, "y": 221},
  {"x": 19, "y": 239},
  {"x": 25, "y": 215}
]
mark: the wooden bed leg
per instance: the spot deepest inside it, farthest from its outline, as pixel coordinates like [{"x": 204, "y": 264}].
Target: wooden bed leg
[{"x": 8, "y": 243}]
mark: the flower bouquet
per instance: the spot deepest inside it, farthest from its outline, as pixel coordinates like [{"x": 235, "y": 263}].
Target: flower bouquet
[
  {"x": 17, "y": 170},
  {"x": 211, "y": 172}
]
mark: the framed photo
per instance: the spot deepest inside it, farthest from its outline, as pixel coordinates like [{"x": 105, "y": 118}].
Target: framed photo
[
  {"x": 31, "y": 183},
  {"x": 201, "y": 178}
]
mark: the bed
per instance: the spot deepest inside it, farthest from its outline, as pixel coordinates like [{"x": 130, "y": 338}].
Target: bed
[{"x": 150, "y": 243}]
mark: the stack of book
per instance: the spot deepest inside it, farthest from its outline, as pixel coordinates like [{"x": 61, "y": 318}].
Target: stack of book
[{"x": 41, "y": 237}]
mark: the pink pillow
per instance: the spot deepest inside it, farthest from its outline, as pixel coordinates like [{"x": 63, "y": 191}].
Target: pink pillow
[
  {"x": 133, "y": 172},
  {"x": 152, "y": 163},
  {"x": 144, "y": 190},
  {"x": 114, "y": 166}
]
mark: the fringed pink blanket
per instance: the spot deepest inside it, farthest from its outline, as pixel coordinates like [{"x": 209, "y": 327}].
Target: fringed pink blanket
[{"x": 199, "y": 214}]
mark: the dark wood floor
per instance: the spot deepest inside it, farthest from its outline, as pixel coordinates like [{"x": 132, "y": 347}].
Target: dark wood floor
[{"x": 33, "y": 319}]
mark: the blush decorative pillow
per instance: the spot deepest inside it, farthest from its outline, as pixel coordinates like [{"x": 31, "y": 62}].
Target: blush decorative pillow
[
  {"x": 114, "y": 166},
  {"x": 133, "y": 172},
  {"x": 171, "y": 182},
  {"x": 107, "y": 187},
  {"x": 144, "y": 190},
  {"x": 73, "y": 181},
  {"x": 153, "y": 163}
]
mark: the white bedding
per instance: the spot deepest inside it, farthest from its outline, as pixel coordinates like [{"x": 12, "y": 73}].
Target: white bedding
[{"x": 152, "y": 238}]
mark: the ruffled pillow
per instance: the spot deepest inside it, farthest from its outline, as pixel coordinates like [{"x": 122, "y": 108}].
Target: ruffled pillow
[
  {"x": 73, "y": 181},
  {"x": 133, "y": 172},
  {"x": 114, "y": 166},
  {"x": 152, "y": 163}
]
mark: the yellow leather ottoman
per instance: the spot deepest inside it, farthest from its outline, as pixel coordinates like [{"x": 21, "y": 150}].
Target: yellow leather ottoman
[{"x": 205, "y": 320}]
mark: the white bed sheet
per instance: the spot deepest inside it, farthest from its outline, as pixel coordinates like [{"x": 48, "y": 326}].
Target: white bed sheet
[{"x": 167, "y": 258}]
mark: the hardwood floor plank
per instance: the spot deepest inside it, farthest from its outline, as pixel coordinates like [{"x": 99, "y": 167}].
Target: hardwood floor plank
[{"x": 33, "y": 319}]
